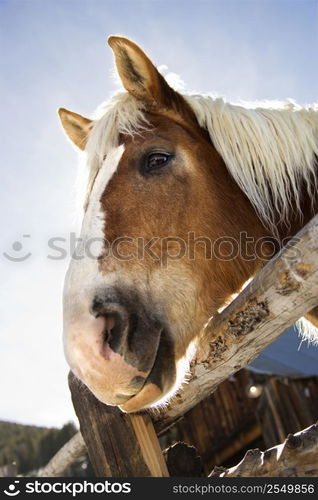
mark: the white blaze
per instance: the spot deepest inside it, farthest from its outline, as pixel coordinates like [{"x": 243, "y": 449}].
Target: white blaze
[{"x": 83, "y": 277}]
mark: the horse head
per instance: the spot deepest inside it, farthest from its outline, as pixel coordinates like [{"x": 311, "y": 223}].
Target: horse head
[{"x": 159, "y": 197}]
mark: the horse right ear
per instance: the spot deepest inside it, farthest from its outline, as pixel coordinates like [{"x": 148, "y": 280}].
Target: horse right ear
[
  {"x": 142, "y": 80},
  {"x": 76, "y": 127},
  {"x": 138, "y": 74}
]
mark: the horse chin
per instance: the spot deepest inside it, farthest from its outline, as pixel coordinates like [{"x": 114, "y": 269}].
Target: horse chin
[{"x": 147, "y": 397}]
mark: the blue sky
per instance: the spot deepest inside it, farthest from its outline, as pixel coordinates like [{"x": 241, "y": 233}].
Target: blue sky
[{"x": 54, "y": 53}]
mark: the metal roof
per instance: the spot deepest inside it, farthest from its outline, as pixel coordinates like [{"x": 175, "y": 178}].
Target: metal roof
[{"x": 289, "y": 355}]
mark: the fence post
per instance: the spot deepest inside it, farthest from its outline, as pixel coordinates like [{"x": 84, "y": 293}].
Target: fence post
[{"x": 118, "y": 444}]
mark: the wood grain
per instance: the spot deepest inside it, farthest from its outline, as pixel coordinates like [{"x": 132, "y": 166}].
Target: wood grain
[{"x": 118, "y": 444}]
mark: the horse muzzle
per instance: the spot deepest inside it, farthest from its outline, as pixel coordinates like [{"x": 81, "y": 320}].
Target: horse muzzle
[{"x": 121, "y": 351}]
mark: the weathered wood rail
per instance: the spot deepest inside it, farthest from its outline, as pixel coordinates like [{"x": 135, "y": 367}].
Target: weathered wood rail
[
  {"x": 297, "y": 456},
  {"x": 286, "y": 289},
  {"x": 67, "y": 455}
]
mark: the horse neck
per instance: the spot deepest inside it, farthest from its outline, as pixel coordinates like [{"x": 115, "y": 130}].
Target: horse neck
[{"x": 233, "y": 274}]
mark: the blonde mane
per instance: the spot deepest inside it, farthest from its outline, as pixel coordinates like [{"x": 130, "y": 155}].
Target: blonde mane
[{"x": 270, "y": 148}]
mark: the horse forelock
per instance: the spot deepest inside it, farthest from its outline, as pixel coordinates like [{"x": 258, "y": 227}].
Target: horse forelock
[{"x": 123, "y": 114}]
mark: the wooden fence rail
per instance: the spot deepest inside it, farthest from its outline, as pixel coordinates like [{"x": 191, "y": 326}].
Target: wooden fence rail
[
  {"x": 65, "y": 457},
  {"x": 297, "y": 456}
]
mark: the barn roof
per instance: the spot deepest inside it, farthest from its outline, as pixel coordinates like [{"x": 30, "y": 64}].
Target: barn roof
[{"x": 289, "y": 356}]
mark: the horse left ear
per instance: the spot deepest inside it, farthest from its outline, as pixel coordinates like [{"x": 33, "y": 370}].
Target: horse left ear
[
  {"x": 138, "y": 75},
  {"x": 77, "y": 127}
]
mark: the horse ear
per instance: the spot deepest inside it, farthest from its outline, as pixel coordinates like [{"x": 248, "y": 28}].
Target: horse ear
[
  {"x": 137, "y": 73},
  {"x": 77, "y": 127}
]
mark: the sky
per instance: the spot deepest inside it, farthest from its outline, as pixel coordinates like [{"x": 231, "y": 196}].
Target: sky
[{"x": 54, "y": 53}]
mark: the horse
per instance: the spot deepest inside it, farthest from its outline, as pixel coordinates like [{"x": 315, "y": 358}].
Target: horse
[{"x": 187, "y": 197}]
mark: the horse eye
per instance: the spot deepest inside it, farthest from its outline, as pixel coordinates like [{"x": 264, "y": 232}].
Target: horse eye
[{"x": 157, "y": 160}]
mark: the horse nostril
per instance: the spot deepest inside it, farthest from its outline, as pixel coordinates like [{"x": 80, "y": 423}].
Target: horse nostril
[
  {"x": 115, "y": 317},
  {"x": 110, "y": 322}
]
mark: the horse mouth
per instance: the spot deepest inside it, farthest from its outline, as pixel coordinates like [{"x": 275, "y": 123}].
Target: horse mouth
[
  {"x": 122, "y": 352},
  {"x": 157, "y": 384}
]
